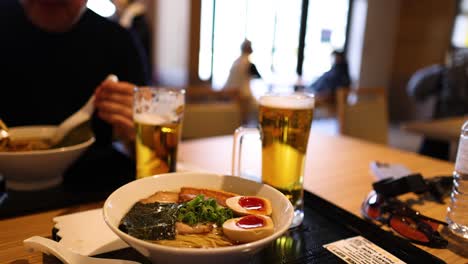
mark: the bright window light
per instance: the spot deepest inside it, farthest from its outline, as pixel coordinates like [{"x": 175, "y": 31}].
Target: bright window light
[
  {"x": 104, "y": 8},
  {"x": 273, "y": 26}
]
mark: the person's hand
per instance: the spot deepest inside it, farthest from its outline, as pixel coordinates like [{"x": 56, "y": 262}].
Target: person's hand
[{"x": 114, "y": 104}]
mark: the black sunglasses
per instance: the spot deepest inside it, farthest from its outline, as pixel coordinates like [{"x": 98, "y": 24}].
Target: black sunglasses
[{"x": 402, "y": 219}]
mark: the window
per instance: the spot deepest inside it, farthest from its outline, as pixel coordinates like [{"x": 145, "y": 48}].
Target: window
[
  {"x": 460, "y": 27},
  {"x": 274, "y": 27},
  {"x": 326, "y": 31}
]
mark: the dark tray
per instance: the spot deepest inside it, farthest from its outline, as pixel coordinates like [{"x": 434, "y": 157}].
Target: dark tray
[{"x": 323, "y": 223}]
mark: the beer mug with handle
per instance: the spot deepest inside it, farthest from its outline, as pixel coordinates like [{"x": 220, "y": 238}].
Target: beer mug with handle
[
  {"x": 158, "y": 114},
  {"x": 284, "y": 123}
]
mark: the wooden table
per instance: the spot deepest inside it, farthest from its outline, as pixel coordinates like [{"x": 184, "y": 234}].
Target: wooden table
[
  {"x": 337, "y": 169},
  {"x": 447, "y": 129}
]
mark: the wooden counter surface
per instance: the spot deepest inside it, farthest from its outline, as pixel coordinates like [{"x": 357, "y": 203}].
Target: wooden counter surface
[{"x": 337, "y": 169}]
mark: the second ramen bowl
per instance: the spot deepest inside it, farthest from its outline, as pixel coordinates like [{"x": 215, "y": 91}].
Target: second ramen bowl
[
  {"x": 121, "y": 200},
  {"x": 31, "y": 170}
]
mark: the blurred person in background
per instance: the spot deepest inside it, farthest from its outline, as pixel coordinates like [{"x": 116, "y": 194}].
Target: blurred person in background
[
  {"x": 56, "y": 54},
  {"x": 335, "y": 78},
  {"x": 240, "y": 74},
  {"x": 448, "y": 83}
]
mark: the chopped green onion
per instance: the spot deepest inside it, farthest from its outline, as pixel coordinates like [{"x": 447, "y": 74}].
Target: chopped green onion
[{"x": 199, "y": 210}]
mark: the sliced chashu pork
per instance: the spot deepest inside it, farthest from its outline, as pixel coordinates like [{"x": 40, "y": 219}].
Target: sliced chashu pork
[
  {"x": 188, "y": 193},
  {"x": 162, "y": 197}
]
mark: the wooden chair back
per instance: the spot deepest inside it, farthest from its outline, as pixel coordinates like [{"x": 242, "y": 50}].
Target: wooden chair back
[
  {"x": 210, "y": 112},
  {"x": 363, "y": 113}
]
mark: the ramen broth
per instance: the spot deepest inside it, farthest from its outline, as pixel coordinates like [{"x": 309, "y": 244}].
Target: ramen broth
[{"x": 26, "y": 144}]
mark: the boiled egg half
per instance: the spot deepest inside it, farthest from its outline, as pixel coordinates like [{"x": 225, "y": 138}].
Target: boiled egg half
[
  {"x": 247, "y": 205},
  {"x": 248, "y": 228}
]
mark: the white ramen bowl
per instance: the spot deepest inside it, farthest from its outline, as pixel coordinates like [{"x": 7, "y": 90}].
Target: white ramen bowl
[
  {"x": 38, "y": 169},
  {"x": 121, "y": 200}
]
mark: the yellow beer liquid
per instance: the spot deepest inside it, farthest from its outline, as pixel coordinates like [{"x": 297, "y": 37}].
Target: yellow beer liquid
[
  {"x": 156, "y": 148},
  {"x": 285, "y": 134}
]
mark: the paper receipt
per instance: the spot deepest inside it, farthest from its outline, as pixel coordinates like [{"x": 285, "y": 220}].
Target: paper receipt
[{"x": 358, "y": 250}]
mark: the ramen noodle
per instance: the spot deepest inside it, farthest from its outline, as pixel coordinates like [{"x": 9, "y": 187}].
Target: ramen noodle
[{"x": 213, "y": 239}]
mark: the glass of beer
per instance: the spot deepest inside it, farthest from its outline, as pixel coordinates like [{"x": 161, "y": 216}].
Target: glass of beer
[
  {"x": 284, "y": 125},
  {"x": 158, "y": 113}
]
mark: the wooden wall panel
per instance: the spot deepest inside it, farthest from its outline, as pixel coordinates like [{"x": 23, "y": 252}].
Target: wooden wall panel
[{"x": 423, "y": 37}]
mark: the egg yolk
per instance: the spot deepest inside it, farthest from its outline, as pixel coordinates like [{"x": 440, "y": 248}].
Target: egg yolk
[
  {"x": 250, "y": 221},
  {"x": 252, "y": 203}
]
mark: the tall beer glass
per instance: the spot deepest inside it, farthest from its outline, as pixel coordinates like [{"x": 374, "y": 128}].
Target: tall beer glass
[
  {"x": 158, "y": 114},
  {"x": 284, "y": 124}
]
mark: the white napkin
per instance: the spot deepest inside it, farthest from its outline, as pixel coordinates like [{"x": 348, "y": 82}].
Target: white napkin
[
  {"x": 385, "y": 170},
  {"x": 86, "y": 233}
]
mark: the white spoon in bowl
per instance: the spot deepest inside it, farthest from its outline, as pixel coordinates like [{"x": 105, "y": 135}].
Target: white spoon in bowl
[
  {"x": 78, "y": 118},
  {"x": 67, "y": 256}
]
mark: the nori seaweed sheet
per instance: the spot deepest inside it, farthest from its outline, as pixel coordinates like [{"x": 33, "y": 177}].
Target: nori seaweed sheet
[{"x": 152, "y": 221}]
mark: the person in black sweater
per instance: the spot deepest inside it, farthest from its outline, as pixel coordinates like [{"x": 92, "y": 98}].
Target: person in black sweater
[{"x": 54, "y": 54}]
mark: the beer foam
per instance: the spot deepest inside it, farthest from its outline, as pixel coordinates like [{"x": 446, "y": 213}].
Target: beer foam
[
  {"x": 151, "y": 119},
  {"x": 293, "y": 101}
]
